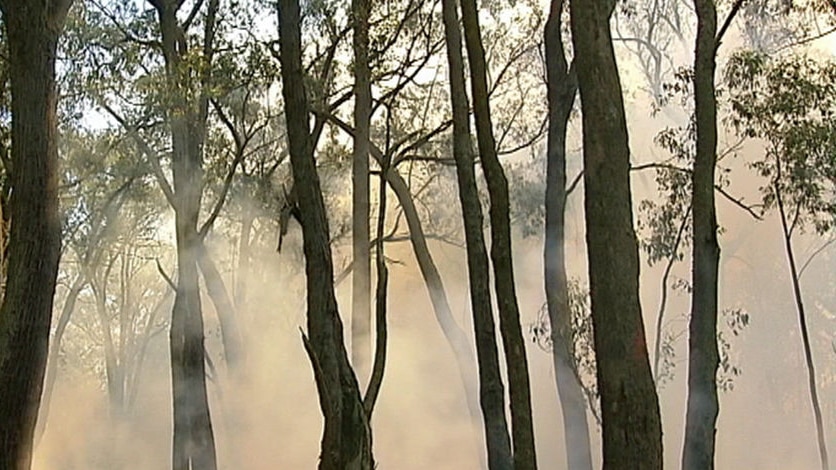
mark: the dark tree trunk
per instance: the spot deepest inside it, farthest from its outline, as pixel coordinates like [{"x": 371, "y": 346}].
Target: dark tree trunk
[
  {"x": 193, "y": 440},
  {"x": 32, "y": 31},
  {"x": 562, "y": 88},
  {"x": 346, "y": 440},
  {"x": 361, "y": 275},
  {"x": 632, "y": 433},
  {"x": 703, "y": 356},
  {"x": 491, "y": 389},
  {"x": 522, "y": 427}
]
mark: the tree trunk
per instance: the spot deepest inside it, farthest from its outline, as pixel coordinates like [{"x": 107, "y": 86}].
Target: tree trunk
[
  {"x": 193, "y": 441},
  {"x": 244, "y": 250},
  {"x": 455, "y": 335},
  {"x": 562, "y": 87},
  {"x": 703, "y": 356},
  {"x": 54, "y": 349},
  {"x": 491, "y": 389},
  {"x": 522, "y": 426},
  {"x": 215, "y": 287},
  {"x": 802, "y": 324},
  {"x": 346, "y": 440},
  {"x": 361, "y": 276},
  {"x": 632, "y": 433},
  {"x": 32, "y": 31}
]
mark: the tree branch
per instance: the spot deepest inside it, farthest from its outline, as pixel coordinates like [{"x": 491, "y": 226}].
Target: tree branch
[
  {"x": 735, "y": 8},
  {"x": 153, "y": 157}
]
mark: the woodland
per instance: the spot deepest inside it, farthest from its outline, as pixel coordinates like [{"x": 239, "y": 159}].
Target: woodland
[{"x": 417, "y": 234}]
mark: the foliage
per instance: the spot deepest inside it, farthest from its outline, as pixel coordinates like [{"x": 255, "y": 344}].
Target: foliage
[{"x": 789, "y": 104}]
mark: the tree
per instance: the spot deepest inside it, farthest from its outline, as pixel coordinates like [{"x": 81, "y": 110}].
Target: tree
[
  {"x": 789, "y": 104},
  {"x": 703, "y": 355},
  {"x": 562, "y": 87},
  {"x": 632, "y": 433},
  {"x": 516, "y": 362},
  {"x": 346, "y": 439},
  {"x": 32, "y": 31},
  {"x": 491, "y": 389},
  {"x": 361, "y": 275},
  {"x": 193, "y": 440}
]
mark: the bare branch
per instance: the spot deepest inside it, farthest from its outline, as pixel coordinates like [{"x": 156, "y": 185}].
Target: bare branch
[
  {"x": 739, "y": 203},
  {"x": 735, "y": 8},
  {"x": 153, "y": 157}
]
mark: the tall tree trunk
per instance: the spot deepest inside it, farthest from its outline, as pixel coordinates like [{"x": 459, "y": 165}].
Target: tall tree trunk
[
  {"x": 522, "y": 426},
  {"x": 632, "y": 432},
  {"x": 32, "y": 31},
  {"x": 562, "y": 88},
  {"x": 802, "y": 324},
  {"x": 346, "y": 439},
  {"x": 703, "y": 356},
  {"x": 491, "y": 389},
  {"x": 193, "y": 441},
  {"x": 361, "y": 275}
]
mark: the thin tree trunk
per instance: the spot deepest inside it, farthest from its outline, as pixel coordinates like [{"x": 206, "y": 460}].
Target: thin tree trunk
[
  {"x": 516, "y": 361},
  {"x": 381, "y": 294},
  {"x": 244, "y": 250},
  {"x": 361, "y": 276},
  {"x": 455, "y": 335},
  {"x": 703, "y": 356},
  {"x": 230, "y": 333},
  {"x": 632, "y": 432},
  {"x": 562, "y": 88},
  {"x": 492, "y": 391},
  {"x": 346, "y": 440},
  {"x": 802, "y": 322},
  {"x": 32, "y": 31},
  {"x": 54, "y": 350}
]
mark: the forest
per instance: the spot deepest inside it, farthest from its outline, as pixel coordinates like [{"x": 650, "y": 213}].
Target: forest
[{"x": 417, "y": 234}]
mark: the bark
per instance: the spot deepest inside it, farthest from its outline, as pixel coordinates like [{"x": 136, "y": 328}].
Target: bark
[
  {"x": 703, "y": 356},
  {"x": 346, "y": 439},
  {"x": 193, "y": 440},
  {"x": 522, "y": 426},
  {"x": 32, "y": 32},
  {"x": 562, "y": 88},
  {"x": 491, "y": 388},
  {"x": 361, "y": 276},
  {"x": 632, "y": 433}
]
